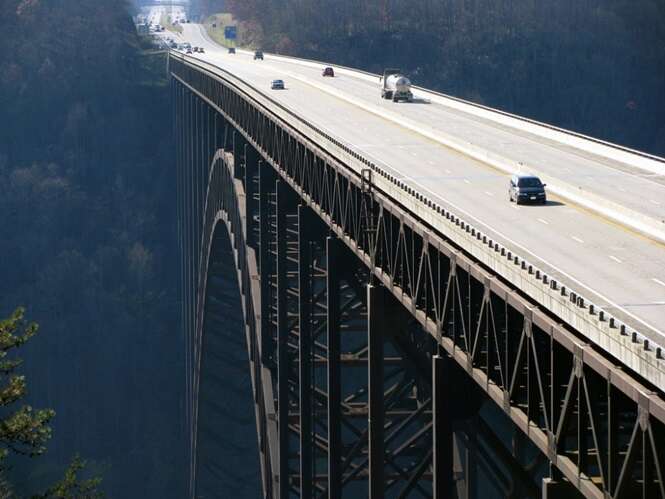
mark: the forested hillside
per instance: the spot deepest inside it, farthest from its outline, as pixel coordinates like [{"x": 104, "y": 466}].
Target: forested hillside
[
  {"x": 594, "y": 66},
  {"x": 87, "y": 241}
]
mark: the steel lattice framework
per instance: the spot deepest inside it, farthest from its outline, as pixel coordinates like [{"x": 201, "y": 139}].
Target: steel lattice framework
[{"x": 362, "y": 323}]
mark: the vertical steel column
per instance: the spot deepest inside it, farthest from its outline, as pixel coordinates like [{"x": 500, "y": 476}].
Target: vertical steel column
[
  {"x": 251, "y": 171},
  {"x": 305, "y": 227},
  {"x": 333, "y": 255},
  {"x": 442, "y": 440},
  {"x": 237, "y": 142},
  {"x": 266, "y": 177},
  {"x": 212, "y": 146},
  {"x": 188, "y": 261},
  {"x": 282, "y": 342},
  {"x": 376, "y": 311}
]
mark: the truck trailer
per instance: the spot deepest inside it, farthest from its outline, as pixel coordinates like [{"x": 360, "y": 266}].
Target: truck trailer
[{"x": 395, "y": 86}]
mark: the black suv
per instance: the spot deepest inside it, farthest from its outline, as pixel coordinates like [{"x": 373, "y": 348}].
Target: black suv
[
  {"x": 258, "y": 55},
  {"x": 527, "y": 189}
]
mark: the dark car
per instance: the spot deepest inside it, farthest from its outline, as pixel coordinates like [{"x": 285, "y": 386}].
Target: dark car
[
  {"x": 527, "y": 189},
  {"x": 328, "y": 72},
  {"x": 258, "y": 55},
  {"x": 232, "y": 50},
  {"x": 189, "y": 51},
  {"x": 277, "y": 85},
  {"x": 202, "y": 50}
]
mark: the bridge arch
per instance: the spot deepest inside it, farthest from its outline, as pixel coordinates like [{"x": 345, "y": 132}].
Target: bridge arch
[
  {"x": 227, "y": 457},
  {"x": 226, "y": 462}
]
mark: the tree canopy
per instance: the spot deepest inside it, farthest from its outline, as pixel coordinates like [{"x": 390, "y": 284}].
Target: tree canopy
[
  {"x": 88, "y": 238},
  {"x": 23, "y": 430}
]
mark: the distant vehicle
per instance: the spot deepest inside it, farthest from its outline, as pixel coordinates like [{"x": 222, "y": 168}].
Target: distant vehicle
[
  {"x": 526, "y": 188},
  {"x": 277, "y": 85},
  {"x": 187, "y": 21},
  {"x": 201, "y": 50},
  {"x": 328, "y": 72},
  {"x": 189, "y": 51},
  {"x": 195, "y": 49},
  {"x": 232, "y": 50},
  {"x": 187, "y": 45},
  {"x": 258, "y": 55},
  {"x": 395, "y": 86},
  {"x": 173, "y": 45}
]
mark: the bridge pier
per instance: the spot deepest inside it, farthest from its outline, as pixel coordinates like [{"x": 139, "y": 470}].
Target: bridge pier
[
  {"x": 376, "y": 325},
  {"x": 443, "y": 481},
  {"x": 306, "y": 228},
  {"x": 334, "y": 409}
]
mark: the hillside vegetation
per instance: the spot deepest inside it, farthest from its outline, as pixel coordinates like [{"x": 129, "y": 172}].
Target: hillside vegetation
[
  {"x": 594, "y": 66},
  {"x": 88, "y": 240}
]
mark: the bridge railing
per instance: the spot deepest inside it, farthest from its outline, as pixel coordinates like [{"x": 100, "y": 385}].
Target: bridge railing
[{"x": 599, "y": 326}]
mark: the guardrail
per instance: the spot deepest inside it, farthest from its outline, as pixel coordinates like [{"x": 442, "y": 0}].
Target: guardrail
[{"x": 647, "y": 357}]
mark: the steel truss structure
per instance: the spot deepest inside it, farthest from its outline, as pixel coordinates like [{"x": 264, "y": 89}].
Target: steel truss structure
[{"x": 362, "y": 323}]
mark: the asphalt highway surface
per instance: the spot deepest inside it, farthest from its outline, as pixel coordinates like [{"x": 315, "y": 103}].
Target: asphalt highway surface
[{"x": 620, "y": 270}]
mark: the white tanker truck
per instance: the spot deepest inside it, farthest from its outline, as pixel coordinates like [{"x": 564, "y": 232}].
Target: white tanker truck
[{"x": 395, "y": 86}]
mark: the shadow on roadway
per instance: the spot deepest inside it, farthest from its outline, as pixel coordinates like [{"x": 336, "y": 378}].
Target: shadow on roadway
[{"x": 548, "y": 203}]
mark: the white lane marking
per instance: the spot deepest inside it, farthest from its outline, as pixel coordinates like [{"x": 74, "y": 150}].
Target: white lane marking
[
  {"x": 514, "y": 206},
  {"x": 543, "y": 221},
  {"x": 658, "y": 281},
  {"x": 614, "y": 258},
  {"x": 577, "y": 239},
  {"x": 489, "y": 193},
  {"x": 657, "y": 203},
  {"x": 523, "y": 248},
  {"x": 466, "y": 180}
]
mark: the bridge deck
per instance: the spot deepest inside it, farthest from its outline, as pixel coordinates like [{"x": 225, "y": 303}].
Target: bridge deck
[{"x": 621, "y": 271}]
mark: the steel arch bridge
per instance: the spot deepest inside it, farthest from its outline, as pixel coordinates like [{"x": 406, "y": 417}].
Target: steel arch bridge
[{"x": 385, "y": 360}]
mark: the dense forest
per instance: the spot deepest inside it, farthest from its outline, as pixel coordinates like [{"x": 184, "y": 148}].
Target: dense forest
[
  {"x": 593, "y": 66},
  {"x": 87, "y": 242},
  {"x": 87, "y": 235}
]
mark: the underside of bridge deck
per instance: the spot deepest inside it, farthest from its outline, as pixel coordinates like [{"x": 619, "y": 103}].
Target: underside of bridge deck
[{"x": 384, "y": 361}]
